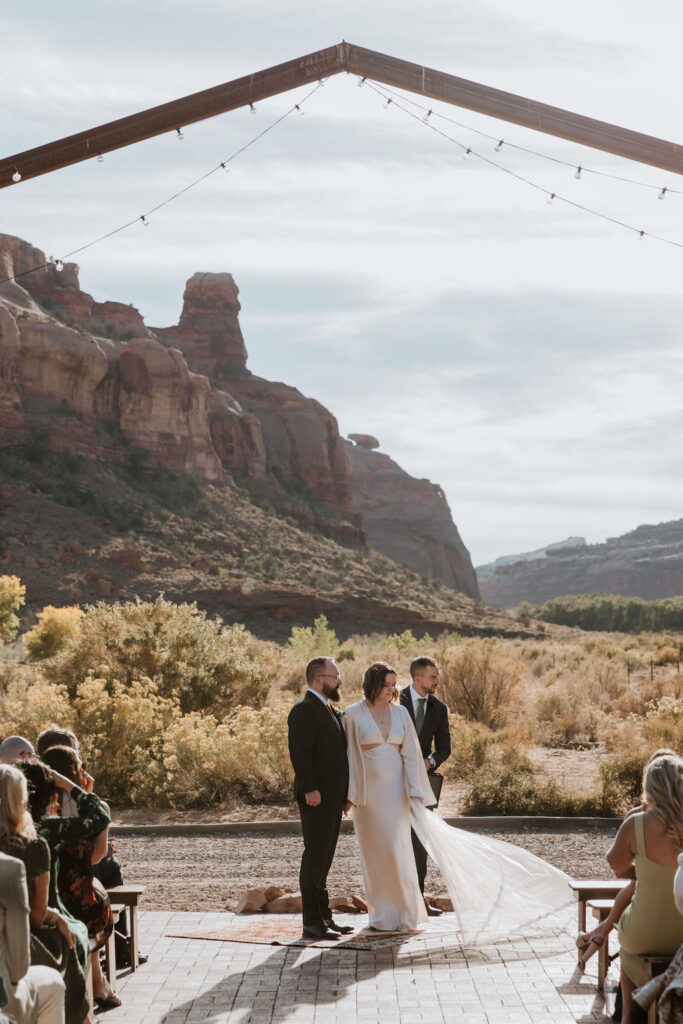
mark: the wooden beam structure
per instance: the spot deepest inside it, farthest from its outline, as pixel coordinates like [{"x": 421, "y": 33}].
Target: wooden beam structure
[{"x": 378, "y": 67}]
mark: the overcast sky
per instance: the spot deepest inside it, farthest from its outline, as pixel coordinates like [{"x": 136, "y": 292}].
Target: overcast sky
[{"x": 526, "y": 357}]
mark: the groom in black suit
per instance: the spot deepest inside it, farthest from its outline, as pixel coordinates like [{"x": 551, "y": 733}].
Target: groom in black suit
[
  {"x": 430, "y": 718},
  {"x": 317, "y": 748}
]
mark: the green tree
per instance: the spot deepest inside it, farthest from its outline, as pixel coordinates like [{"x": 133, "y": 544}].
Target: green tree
[
  {"x": 12, "y": 598},
  {"x": 307, "y": 641}
]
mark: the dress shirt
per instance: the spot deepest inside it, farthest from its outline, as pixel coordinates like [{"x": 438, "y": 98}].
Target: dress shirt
[{"x": 415, "y": 697}]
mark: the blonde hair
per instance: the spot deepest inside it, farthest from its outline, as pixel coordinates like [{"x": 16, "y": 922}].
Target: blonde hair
[
  {"x": 14, "y": 815},
  {"x": 663, "y": 792}
]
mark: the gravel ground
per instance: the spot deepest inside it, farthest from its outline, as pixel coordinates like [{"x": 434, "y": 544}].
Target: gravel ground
[{"x": 210, "y": 873}]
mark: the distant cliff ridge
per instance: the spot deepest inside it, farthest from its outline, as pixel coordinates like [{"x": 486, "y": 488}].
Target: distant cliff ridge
[
  {"x": 487, "y": 570},
  {"x": 647, "y": 562},
  {"x": 70, "y": 366}
]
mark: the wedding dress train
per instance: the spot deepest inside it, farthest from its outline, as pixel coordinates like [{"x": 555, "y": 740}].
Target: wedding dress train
[{"x": 498, "y": 890}]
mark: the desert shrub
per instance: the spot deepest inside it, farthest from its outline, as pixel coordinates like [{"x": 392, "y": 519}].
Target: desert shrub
[
  {"x": 190, "y": 658},
  {"x": 621, "y": 779},
  {"x": 52, "y": 632},
  {"x": 346, "y": 654},
  {"x": 311, "y": 641},
  {"x": 471, "y": 744},
  {"x": 121, "y": 729},
  {"x": 478, "y": 681},
  {"x": 565, "y": 715},
  {"x": 29, "y": 703},
  {"x": 663, "y": 724},
  {"x": 246, "y": 756},
  {"x": 12, "y": 597},
  {"x": 514, "y": 789}
]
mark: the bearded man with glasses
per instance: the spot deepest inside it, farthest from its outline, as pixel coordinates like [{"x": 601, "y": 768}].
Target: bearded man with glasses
[{"x": 317, "y": 748}]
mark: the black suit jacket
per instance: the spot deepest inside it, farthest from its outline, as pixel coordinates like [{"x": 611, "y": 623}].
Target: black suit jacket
[
  {"x": 317, "y": 748},
  {"x": 434, "y": 736}
]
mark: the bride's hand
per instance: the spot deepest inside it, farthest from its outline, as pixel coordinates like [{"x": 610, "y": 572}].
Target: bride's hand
[{"x": 347, "y": 806}]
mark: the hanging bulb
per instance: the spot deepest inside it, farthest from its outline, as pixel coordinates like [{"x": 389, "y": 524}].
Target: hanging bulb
[
  {"x": 252, "y": 108},
  {"x": 361, "y": 83},
  {"x": 551, "y": 199},
  {"x": 662, "y": 194},
  {"x": 427, "y": 116},
  {"x": 59, "y": 266},
  {"x": 180, "y": 135},
  {"x": 225, "y": 168},
  {"x": 298, "y": 109},
  {"x": 144, "y": 221},
  {"x": 578, "y": 173},
  {"x": 466, "y": 154},
  {"x": 100, "y": 158},
  {"x": 500, "y": 146},
  {"x": 16, "y": 176},
  {"x": 387, "y": 104},
  {"x": 322, "y": 82},
  {"x": 641, "y": 236}
]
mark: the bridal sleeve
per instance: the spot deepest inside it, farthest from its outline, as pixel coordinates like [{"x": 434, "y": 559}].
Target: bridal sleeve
[
  {"x": 356, "y": 760},
  {"x": 414, "y": 772}
]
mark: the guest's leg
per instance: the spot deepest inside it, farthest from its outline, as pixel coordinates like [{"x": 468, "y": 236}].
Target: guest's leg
[
  {"x": 50, "y": 989},
  {"x": 630, "y": 1012},
  {"x": 420, "y": 860}
]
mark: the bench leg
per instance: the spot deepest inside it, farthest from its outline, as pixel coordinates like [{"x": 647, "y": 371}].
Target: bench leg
[
  {"x": 134, "y": 952},
  {"x": 603, "y": 963},
  {"x": 582, "y": 924},
  {"x": 110, "y": 960}
]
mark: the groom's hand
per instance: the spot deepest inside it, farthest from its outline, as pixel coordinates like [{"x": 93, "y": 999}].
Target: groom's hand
[{"x": 313, "y": 798}]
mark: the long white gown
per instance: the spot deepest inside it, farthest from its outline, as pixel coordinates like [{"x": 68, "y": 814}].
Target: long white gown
[{"x": 498, "y": 890}]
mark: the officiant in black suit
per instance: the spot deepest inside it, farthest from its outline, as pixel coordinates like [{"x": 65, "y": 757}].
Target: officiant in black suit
[
  {"x": 430, "y": 717},
  {"x": 317, "y": 748}
]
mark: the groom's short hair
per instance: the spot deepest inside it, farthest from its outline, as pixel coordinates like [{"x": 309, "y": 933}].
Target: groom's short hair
[
  {"x": 421, "y": 663},
  {"x": 315, "y": 667}
]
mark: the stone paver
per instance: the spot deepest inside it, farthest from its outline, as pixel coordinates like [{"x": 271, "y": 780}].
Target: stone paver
[{"x": 427, "y": 979}]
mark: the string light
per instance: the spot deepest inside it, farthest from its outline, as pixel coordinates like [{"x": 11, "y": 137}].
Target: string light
[
  {"x": 499, "y": 146},
  {"x": 387, "y": 104},
  {"x": 322, "y": 82},
  {"x": 578, "y": 173},
  {"x": 385, "y": 90},
  {"x": 641, "y": 236},
  {"x": 427, "y": 116},
  {"x": 180, "y": 135},
  {"x": 100, "y": 158},
  {"x": 520, "y": 177},
  {"x": 252, "y": 108},
  {"x": 144, "y": 221},
  {"x": 298, "y": 109},
  {"x": 16, "y": 175},
  {"x": 361, "y": 83},
  {"x": 59, "y": 265},
  {"x": 224, "y": 167},
  {"x": 662, "y": 193},
  {"x": 551, "y": 199}
]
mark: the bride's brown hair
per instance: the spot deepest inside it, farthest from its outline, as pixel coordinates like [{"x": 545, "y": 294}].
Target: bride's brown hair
[{"x": 374, "y": 679}]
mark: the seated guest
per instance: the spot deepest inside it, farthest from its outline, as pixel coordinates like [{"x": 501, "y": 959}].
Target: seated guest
[
  {"x": 13, "y": 748},
  {"x": 108, "y": 869},
  {"x": 650, "y": 842},
  {"x": 53, "y": 937},
  {"x": 75, "y": 843},
  {"x": 35, "y": 995}
]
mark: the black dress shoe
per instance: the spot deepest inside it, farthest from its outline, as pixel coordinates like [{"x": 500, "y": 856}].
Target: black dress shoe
[
  {"x": 343, "y": 929},
  {"x": 320, "y": 933},
  {"x": 432, "y": 911}
]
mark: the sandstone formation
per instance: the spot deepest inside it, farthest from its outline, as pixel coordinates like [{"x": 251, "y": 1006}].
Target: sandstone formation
[
  {"x": 90, "y": 377},
  {"x": 647, "y": 562}
]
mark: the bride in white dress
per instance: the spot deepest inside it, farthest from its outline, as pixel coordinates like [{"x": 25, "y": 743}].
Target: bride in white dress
[{"x": 497, "y": 889}]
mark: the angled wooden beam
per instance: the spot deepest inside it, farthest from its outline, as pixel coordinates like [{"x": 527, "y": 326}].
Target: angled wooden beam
[
  {"x": 507, "y": 106},
  {"x": 171, "y": 116},
  {"x": 344, "y": 56}
]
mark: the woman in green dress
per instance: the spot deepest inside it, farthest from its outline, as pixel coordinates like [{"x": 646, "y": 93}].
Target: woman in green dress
[{"x": 54, "y": 937}]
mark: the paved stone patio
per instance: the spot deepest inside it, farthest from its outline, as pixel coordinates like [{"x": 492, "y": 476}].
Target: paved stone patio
[{"x": 427, "y": 979}]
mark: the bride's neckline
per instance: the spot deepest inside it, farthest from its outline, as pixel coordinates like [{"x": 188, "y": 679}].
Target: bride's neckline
[{"x": 381, "y": 720}]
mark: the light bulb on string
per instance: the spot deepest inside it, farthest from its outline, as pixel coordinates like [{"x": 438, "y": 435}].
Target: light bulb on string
[
  {"x": 466, "y": 154},
  {"x": 662, "y": 193},
  {"x": 180, "y": 135},
  {"x": 427, "y": 116},
  {"x": 100, "y": 158},
  {"x": 641, "y": 236},
  {"x": 387, "y": 104},
  {"x": 144, "y": 220},
  {"x": 225, "y": 168},
  {"x": 551, "y": 199},
  {"x": 299, "y": 110},
  {"x": 500, "y": 146},
  {"x": 16, "y": 175},
  {"x": 361, "y": 83},
  {"x": 59, "y": 266},
  {"x": 322, "y": 82},
  {"x": 252, "y": 108},
  {"x": 578, "y": 173}
]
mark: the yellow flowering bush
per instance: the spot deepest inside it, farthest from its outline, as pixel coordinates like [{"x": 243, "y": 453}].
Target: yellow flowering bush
[{"x": 52, "y": 632}]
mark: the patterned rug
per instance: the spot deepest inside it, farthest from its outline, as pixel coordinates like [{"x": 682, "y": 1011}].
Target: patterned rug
[{"x": 283, "y": 930}]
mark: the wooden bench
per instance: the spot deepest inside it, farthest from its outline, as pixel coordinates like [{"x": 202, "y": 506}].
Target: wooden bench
[
  {"x": 655, "y": 965},
  {"x": 128, "y": 896},
  {"x": 110, "y": 947},
  {"x": 601, "y": 909},
  {"x": 586, "y": 889}
]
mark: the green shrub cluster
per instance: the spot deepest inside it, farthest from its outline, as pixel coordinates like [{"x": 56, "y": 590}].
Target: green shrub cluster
[{"x": 609, "y": 612}]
